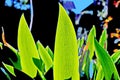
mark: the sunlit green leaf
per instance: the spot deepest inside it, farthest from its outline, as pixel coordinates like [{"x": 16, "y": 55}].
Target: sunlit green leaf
[
  {"x": 9, "y": 68},
  {"x": 90, "y": 41},
  {"x": 50, "y": 52},
  {"x": 66, "y": 49},
  {"x": 27, "y": 48},
  {"x": 106, "y": 62},
  {"x": 44, "y": 56},
  {"x": 100, "y": 74}
]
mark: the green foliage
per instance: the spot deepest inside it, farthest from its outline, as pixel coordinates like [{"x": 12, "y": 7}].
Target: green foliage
[
  {"x": 66, "y": 51},
  {"x": 65, "y": 62},
  {"x": 44, "y": 56},
  {"x": 103, "y": 39},
  {"x": 9, "y": 68},
  {"x": 116, "y": 56},
  {"x": 1, "y": 45},
  {"x": 50, "y": 52},
  {"x": 27, "y": 48},
  {"x": 90, "y": 41},
  {"x": 106, "y": 61}
]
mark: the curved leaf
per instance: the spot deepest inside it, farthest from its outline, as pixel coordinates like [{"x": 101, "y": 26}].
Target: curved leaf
[
  {"x": 90, "y": 41},
  {"x": 106, "y": 62},
  {"x": 44, "y": 56},
  {"x": 103, "y": 39},
  {"x": 27, "y": 48},
  {"x": 66, "y": 49},
  {"x": 115, "y": 56}
]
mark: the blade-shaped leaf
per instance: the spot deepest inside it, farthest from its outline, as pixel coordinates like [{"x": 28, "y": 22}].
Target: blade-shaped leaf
[
  {"x": 90, "y": 41},
  {"x": 115, "y": 56},
  {"x": 44, "y": 56},
  {"x": 106, "y": 62},
  {"x": 9, "y": 68},
  {"x": 66, "y": 49},
  {"x": 27, "y": 48},
  {"x": 103, "y": 39},
  {"x": 80, "y": 42},
  {"x": 39, "y": 65},
  {"x": 50, "y": 52}
]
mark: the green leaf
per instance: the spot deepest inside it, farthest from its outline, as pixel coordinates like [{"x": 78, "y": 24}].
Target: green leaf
[
  {"x": 27, "y": 48},
  {"x": 1, "y": 45},
  {"x": 80, "y": 42},
  {"x": 106, "y": 62},
  {"x": 44, "y": 56},
  {"x": 16, "y": 64},
  {"x": 40, "y": 67},
  {"x": 9, "y": 68},
  {"x": 50, "y": 52},
  {"x": 90, "y": 41},
  {"x": 115, "y": 56},
  {"x": 103, "y": 39},
  {"x": 66, "y": 49}
]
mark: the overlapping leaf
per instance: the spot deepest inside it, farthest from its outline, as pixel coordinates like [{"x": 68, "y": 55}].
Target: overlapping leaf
[
  {"x": 106, "y": 62},
  {"x": 44, "y": 56},
  {"x": 27, "y": 48},
  {"x": 90, "y": 41}
]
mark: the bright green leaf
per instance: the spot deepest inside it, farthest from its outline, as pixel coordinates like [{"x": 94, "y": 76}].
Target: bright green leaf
[
  {"x": 90, "y": 41},
  {"x": 9, "y": 68},
  {"x": 66, "y": 49},
  {"x": 103, "y": 39},
  {"x": 27, "y": 48},
  {"x": 1, "y": 45},
  {"x": 50, "y": 52},
  {"x": 44, "y": 56},
  {"x": 106, "y": 62}
]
